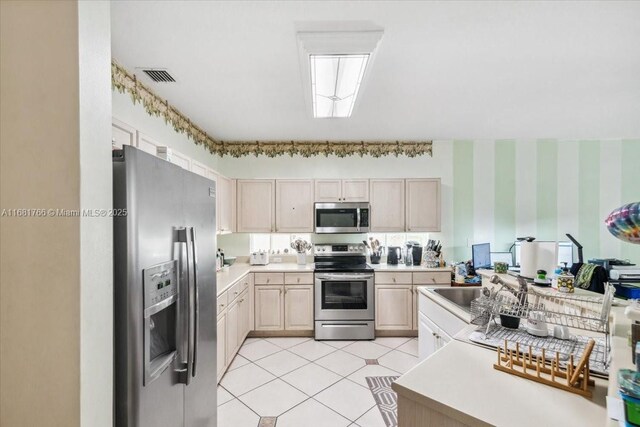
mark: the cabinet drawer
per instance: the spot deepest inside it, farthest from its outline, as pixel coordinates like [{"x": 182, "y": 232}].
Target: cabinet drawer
[
  {"x": 393, "y": 278},
  {"x": 233, "y": 292},
  {"x": 269, "y": 278},
  {"x": 222, "y": 302},
  {"x": 432, "y": 278},
  {"x": 244, "y": 283},
  {"x": 298, "y": 278}
]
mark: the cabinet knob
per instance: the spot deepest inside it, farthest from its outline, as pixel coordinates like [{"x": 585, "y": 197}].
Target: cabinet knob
[
  {"x": 394, "y": 280},
  {"x": 221, "y": 305},
  {"x": 241, "y": 300}
]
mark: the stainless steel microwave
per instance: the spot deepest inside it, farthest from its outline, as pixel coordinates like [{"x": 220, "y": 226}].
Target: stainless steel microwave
[{"x": 338, "y": 218}]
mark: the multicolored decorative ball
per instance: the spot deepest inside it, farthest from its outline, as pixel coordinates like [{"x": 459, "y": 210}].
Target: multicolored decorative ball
[{"x": 624, "y": 223}]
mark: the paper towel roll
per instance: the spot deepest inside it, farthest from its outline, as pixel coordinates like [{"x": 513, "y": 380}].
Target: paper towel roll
[{"x": 536, "y": 256}]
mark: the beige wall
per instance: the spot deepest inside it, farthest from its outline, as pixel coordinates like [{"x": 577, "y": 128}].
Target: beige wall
[{"x": 41, "y": 257}]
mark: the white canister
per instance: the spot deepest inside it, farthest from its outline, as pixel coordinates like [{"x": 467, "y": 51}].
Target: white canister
[{"x": 302, "y": 258}]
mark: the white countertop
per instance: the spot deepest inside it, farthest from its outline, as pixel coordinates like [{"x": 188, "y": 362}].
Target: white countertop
[
  {"x": 403, "y": 267},
  {"x": 459, "y": 380},
  {"x": 238, "y": 270}
]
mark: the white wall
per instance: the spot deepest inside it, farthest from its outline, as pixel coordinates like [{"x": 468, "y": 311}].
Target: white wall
[{"x": 96, "y": 233}]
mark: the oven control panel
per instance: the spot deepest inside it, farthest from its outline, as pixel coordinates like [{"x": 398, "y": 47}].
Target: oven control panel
[
  {"x": 343, "y": 248},
  {"x": 160, "y": 283}
]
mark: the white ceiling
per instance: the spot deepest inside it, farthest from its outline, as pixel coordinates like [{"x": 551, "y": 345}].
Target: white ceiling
[{"x": 443, "y": 70}]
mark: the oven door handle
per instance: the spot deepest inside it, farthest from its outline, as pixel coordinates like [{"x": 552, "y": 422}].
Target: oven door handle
[{"x": 341, "y": 276}]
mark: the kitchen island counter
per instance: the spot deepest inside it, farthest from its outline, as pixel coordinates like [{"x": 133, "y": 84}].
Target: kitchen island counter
[{"x": 458, "y": 384}]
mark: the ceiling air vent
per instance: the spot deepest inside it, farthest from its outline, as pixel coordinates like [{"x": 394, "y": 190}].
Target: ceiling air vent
[{"x": 158, "y": 75}]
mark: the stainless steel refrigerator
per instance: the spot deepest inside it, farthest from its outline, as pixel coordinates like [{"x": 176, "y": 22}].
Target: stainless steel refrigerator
[{"x": 165, "y": 290}]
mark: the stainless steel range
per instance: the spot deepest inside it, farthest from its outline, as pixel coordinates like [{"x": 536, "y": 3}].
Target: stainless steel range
[{"x": 344, "y": 293}]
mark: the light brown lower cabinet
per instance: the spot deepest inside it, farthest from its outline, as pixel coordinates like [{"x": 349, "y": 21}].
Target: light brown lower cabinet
[
  {"x": 233, "y": 317},
  {"x": 221, "y": 345},
  {"x": 394, "y": 307},
  {"x": 283, "y": 307},
  {"x": 269, "y": 310},
  {"x": 234, "y": 321},
  {"x": 298, "y": 307}
]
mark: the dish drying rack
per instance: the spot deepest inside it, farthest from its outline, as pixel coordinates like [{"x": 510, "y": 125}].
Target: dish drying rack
[{"x": 588, "y": 313}]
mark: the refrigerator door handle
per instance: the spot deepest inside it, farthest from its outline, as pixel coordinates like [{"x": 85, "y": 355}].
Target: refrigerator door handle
[
  {"x": 184, "y": 236},
  {"x": 196, "y": 302}
]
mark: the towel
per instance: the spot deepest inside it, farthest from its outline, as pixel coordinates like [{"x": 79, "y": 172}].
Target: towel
[{"x": 583, "y": 278}]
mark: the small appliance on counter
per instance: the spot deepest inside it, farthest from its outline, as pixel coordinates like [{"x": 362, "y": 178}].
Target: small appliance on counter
[
  {"x": 394, "y": 255},
  {"x": 417, "y": 255},
  {"x": 259, "y": 258}
]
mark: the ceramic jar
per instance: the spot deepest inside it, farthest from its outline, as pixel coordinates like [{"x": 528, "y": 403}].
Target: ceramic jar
[{"x": 565, "y": 282}]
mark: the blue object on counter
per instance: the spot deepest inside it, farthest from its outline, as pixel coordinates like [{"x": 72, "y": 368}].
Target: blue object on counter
[
  {"x": 638, "y": 356},
  {"x": 474, "y": 279},
  {"x": 627, "y": 290}
]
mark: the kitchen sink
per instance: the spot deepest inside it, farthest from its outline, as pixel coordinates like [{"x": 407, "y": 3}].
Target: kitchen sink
[{"x": 461, "y": 297}]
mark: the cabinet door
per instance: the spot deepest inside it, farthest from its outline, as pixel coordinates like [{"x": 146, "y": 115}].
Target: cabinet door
[
  {"x": 415, "y": 307},
  {"x": 146, "y": 143},
  {"x": 174, "y": 157},
  {"x": 442, "y": 339},
  {"x": 328, "y": 190},
  {"x": 298, "y": 307},
  {"x": 222, "y": 345},
  {"x": 426, "y": 337},
  {"x": 394, "y": 307},
  {"x": 387, "y": 205},
  {"x": 233, "y": 319},
  {"x": 224, "y": 204},
  {"x": 294, "y": 206},
  {"x": 423, "y": 204},
  {"x": 243, "y": 317},
  {"x": 355, "y": 190},
  {"x": 122, "y": 134},
  {"x": 256, "y": 206},
  {"x": 199, "y": 168},
  {"x": 269, "y": 310}
]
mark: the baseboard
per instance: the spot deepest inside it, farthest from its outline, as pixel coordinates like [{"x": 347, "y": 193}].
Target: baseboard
[{"x": 396, "y": 333}]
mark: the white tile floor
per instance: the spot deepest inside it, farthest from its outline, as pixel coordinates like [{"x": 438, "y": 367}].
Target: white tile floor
[{"x": 309, "y": 383}]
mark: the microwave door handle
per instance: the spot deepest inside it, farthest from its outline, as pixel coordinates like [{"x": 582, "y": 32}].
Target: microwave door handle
[
  {"x": 196, "y": 302},
  {"x": 358, "y": 224}
]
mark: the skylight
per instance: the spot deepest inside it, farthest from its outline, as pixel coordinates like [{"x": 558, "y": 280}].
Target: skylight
[{"x": 335, "y": 82}]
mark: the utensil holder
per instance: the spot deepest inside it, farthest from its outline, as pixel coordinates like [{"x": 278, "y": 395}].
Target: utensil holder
[
  {"x": 302, "y": 258},
  {"x": 431, "y": 259},
  {"x": 375, "y": 259}
]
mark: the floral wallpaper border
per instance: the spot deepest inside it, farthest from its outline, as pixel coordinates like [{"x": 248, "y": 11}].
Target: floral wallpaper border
[{"x": 123, "y": 81}]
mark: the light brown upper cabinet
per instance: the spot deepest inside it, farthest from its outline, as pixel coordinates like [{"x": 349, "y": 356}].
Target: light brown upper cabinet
[
  {"x": 225, "y": 204},
  {"x": 122, "y": 134},
  {"x": 294, "y": 206},
  {"x": 256, "y": 205},
  {"x": 387, "y": 205},
  {"x": 341, "y": 190},
  {"x": 423, "y": 204},
  {"x": 146, "y": 143}
]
